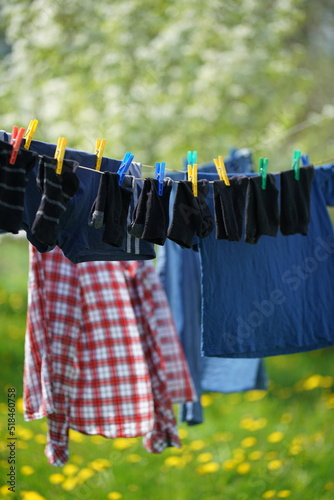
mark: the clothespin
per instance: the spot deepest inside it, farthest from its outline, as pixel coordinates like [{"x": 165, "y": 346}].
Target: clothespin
[
  {"x": 192, "y": 170},
  {"x": 60, "y": 153},
  {"x": 221, "y": 169},
  {"x": 29, "y": 133},
  {"x": 16, "y": 139},
  {"x": 305, "y": 159},
  {"x": 99, "y": 148},
  {"x": 160, "y": 175},
  {"x": 126, "y": 162},
  {"x": 263, "y": 167},
  {"x": 295, "y": 162}
]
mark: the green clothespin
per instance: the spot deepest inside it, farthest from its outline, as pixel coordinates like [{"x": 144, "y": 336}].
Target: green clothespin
[
  {"x": 263, "y": 167},
  {"x": 295, "y": 162}
]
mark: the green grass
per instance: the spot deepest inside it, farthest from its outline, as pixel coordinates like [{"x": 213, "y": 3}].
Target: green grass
[{"x": 274, "y": 444}]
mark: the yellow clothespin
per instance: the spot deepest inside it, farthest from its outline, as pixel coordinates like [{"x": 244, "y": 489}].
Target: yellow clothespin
[
  {"x": 192, "y": 170},
  {"x": 29, "y": 133},
  {"x": 221, "y": 169},
  {"x": 60, "y": 153},
  {"x": 99, "y": 148}
]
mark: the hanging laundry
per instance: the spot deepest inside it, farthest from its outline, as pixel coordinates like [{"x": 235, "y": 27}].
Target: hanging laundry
[
  {"x": 13, "y": 181},
  {"x": 150, "y": 218},
  {"x": 275, "y": 297},
  {"x": 90, "y": 364},
  {"x": 56, "y": 190},
  {"x": 295, "y": 201},
  {"x": 79, "y": 241},
  {"x": 229, "y": 205},
  {"x": 191, "y": 214},
  {"x": 112, "y": 205},
  {"x": 262, "y": 214}
]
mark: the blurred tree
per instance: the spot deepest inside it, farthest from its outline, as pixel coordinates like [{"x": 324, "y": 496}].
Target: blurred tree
[{"x": 159, "y": 78}]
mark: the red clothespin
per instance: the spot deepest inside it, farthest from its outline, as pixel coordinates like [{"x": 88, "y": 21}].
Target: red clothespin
[{"x": 16, "y": 139}]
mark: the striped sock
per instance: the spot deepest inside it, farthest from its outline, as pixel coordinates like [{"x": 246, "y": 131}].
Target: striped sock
[
  {"x": 57, "y": 190},
  {"x": 13, "y": 181}
]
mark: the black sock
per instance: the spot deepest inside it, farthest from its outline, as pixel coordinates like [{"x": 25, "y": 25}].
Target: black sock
[
  {"x": 57, "y": 190},
  {"x": 295, "y": 201},
  {"x": 262, "y": 215},
  {"x": 13, "y": 181},
  {"x": 229, "y": 204},
  {"x": 114, "y": 202},
  {"x": 190, "y": 214},
  {"x": 96, "y": 216},
  {"x": 151, "y": 216}
]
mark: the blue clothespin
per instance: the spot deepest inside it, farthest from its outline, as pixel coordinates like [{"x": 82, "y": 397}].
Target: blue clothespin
[
  {"x": 305, "y": 159},
  {"x": 124, "y": 166},
  {"x": 295, "y": 162},
  {"x": 160, "y": 175},
  {"x": 263, "y": 167}
]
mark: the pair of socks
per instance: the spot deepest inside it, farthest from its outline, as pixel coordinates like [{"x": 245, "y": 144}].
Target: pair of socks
[
  {"x": 150, "y": 219},
  {"x": 111, "y": 207},
  {"x": 295, "y": 201},
  {"x": 262, "y": 213},
  {"x": 191, "y": 214},
  {"x": 13, "y": 182},
  {"x": 229, "y": 204},
  {"x": 57, "y": 190}
]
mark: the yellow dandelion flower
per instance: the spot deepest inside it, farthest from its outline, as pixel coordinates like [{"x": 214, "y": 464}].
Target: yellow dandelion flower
[
  {"x": 244, "y": 468},
  {"x": 255, "y": 395},
  {"x": 76, "y": 436},
  {"x": 100, "y": 464},
  {"x": 246, "y": 423},
  {"x": 27, "y": 470},
  {"x": 70, "y": 469},
  {"x": 19, "y": 405},
  {"x": 318, "y": 436},
  {"x": 327, "y": 382},
  {"x": 275, "y": 437},
  {"x": 97, "y": 439},
  {"x": 133, "y": 458},
  {"x": 255, "y": 455},
  {"x": 197, "y": 444},
  {"x": 330, "y": 402},
  {"x": 70, "y": 483},
  {"x": 248, "y": 442},
  {"x": 286, "y": 418},
  {"x": 56, "y": 478},
  {"x": 223, "y": 436},
  {"x": 4, "y": 490},
  {"x": 187, "y": 457},
  {"x": 114, "y": 495},
  {"x": 284, "y": 494},
  {"x": 24, "y": 433},
  {"x": 312, "y": 382},
  {"x": 261, "y": 423},
  {"x": 124, "y": 443},
  {"x": 183, "y": 433},
  {"x": 84, "y": 474},
  {"x": 229, "y": 464},
  {"x": 295, "y": 449},
  {"x": 77, "y": 459},
  {"x": 204, "y": 457},
  {"x": 329, "y": 486},
  {"x": 206, "y": 400},
  {"x": 275, "y": 464},
  {"x": 269, "y": 494},
  {"x": 271, "y": 455},
  {"x": 40, "y": 438},
  {"x": 208, "y": 468},
  {"x": 173, "y": 461},
  {"x": 31, "y": 495}
]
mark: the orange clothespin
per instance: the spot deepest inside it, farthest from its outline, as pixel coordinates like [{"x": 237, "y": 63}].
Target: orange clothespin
[
  {"x": 16, "y": 139},
  {"x": 192, "y": 171},
  {"x": 221, "y": 169},
  {"x": 99, "y": 148},
  {"x": 60, "y": 153},
  {"x": 29, "y": 133}
]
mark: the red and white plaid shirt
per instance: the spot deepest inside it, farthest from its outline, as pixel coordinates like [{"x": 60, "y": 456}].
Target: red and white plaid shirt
[{"x": 93, "y": 361}]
